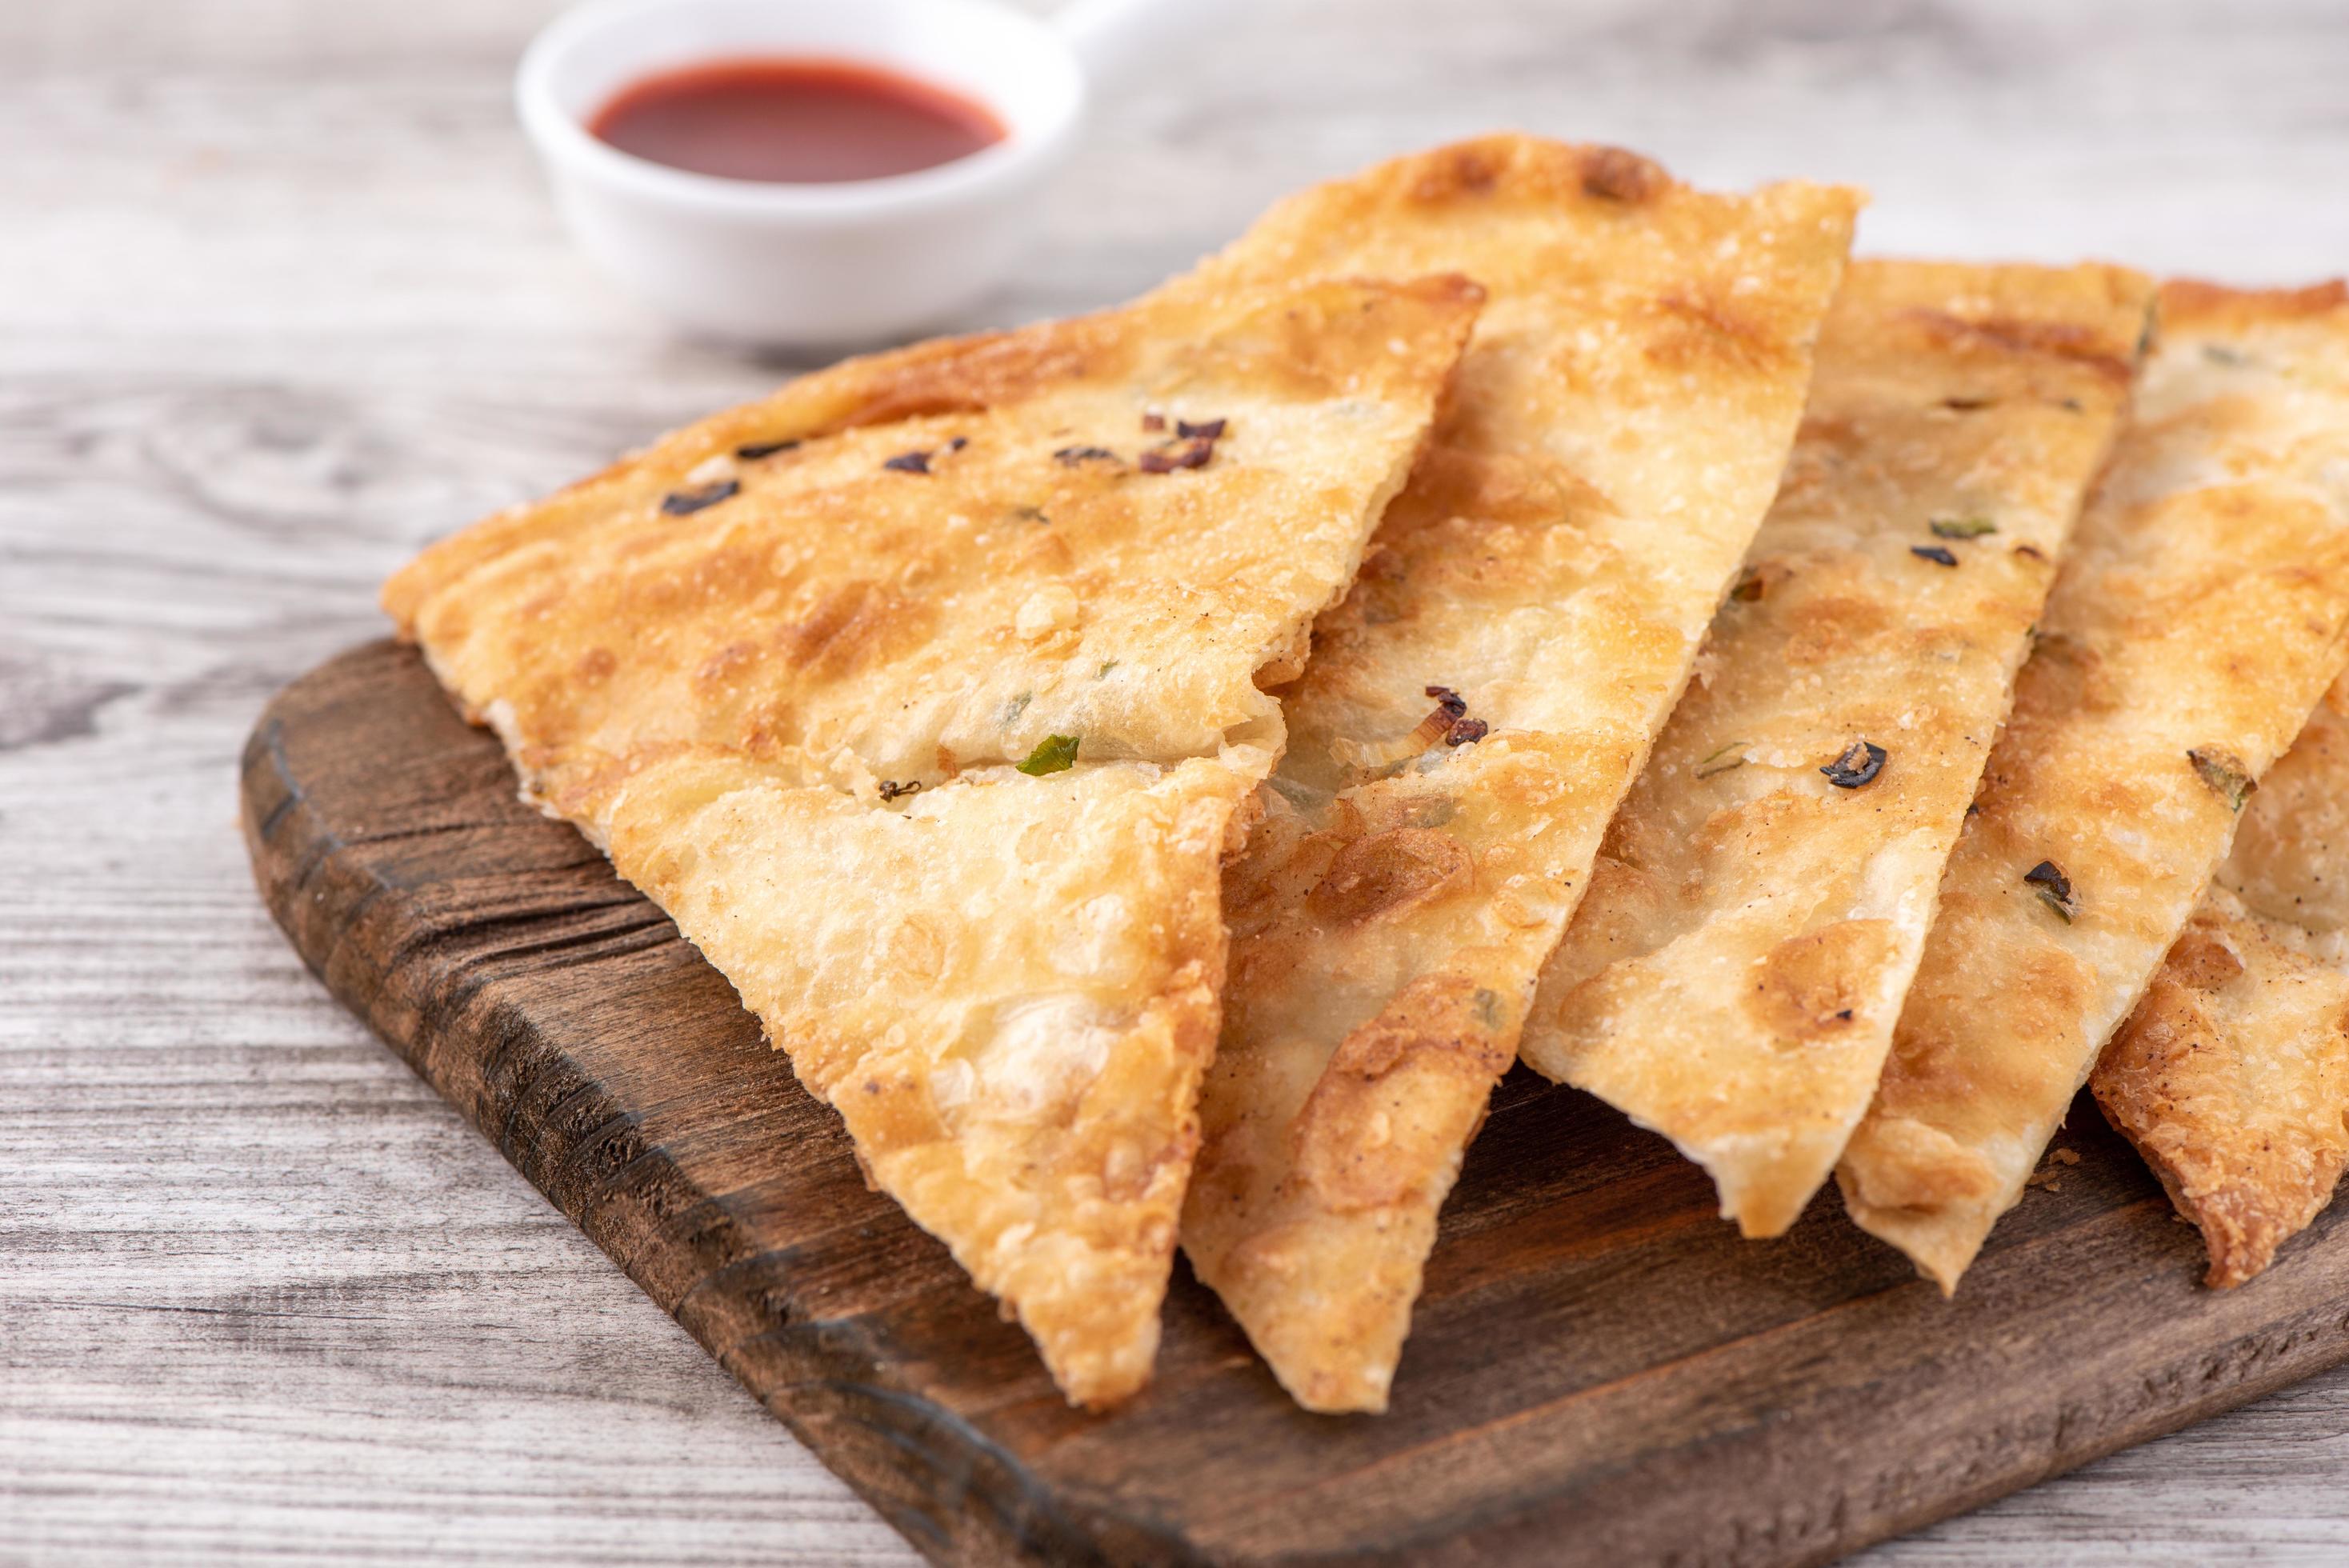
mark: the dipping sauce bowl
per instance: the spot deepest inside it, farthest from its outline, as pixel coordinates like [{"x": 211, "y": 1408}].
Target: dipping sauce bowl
[{"x": 842, "y": 263}]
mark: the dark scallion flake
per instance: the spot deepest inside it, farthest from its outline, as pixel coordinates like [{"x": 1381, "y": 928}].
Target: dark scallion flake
[
  {"x": 1465, "y": 731},
  {"x": 757, "y": 450},
  {"x": 2053, "y": 888},
  {"x": 1962, "y": 527},
  {"x": 1192, "y": 452},
  {"x": 1755, "y": 581},
  {"x": 1861, "y": 761},
  {"x": 1070, "y": 457},
  {"x": 1939, "y": 554},
  {"x": 1454, "y": 704},
  {"x": 909, "y": 463},
  {"x": 2223, "y": 354},
  {"x": 686, "y": 502},
  {"x": 1053, "y": 754},
  {"x": 891, "y": 789},
  {"x": 1205, "y": 429},
  {"x": 2224, "y": 772}
]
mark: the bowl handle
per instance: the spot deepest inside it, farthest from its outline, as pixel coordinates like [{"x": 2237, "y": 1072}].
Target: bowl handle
[{"x": 1116, "y": 39}]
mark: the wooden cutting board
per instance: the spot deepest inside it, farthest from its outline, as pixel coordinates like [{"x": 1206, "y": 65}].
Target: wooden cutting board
[{"x": 1599, "y": 1373}]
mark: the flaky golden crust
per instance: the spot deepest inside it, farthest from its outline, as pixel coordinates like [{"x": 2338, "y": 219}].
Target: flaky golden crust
[
  {"x": 1733, "y": 977},
  {"x": 2290, "y": 862},
  {"x": 2232, "y": 1078},
  {"x": 1614, "y": 435},
  {"x": 783, "y": 664},
  {"x": 2200, "y": 616},
  {"x": 1029, "y": 580},
  {"x": 1008, "y": 990}
]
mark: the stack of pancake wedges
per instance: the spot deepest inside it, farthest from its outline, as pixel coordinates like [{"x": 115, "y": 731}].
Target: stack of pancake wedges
[{"x": 1155, "y": 772}]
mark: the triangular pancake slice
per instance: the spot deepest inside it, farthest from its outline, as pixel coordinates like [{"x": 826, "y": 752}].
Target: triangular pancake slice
[
  {"x": 924, "y": 695},
  {"x": 2202, "y": 613},
  {"x": 1476, "y": 708},
  {"x": 1733, "y": 977},
  {"x": 2232, "y": 1076}
]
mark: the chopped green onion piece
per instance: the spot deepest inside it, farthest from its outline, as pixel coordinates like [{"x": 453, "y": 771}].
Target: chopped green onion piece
[
  {"x": 1962, "y": 527},
  {"x": 1053, "y": 754},
  {"x": 1710, "y": 765},
  {"x": 2224, "y": 772}
]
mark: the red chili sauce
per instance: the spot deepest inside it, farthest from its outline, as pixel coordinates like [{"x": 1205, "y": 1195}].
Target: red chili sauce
[{"x": 794, "y": 121}]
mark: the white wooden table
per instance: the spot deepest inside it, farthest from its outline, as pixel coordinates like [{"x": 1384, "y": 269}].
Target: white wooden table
[{"x": 280, "y": 297}]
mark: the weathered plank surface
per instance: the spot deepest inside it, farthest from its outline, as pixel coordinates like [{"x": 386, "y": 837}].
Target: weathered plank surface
[
  {"x": 280, "y": 298},
  {"x": 1600, "y": 1373}
]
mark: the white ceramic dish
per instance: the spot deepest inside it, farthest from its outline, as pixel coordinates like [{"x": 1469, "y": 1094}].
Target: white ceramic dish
[{"x": 822, "y": 266}]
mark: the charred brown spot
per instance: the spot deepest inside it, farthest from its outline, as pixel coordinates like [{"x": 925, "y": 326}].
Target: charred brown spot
[
  {"x": 2066, "y": 673},
  {"x": 1402, "y": 1093},
  {"x": 2188, "y": 297},
  {"x": 1806, "y": 986},
  {"x": 1613, "y": 174},
  {"x": 849, "y": 628},
  {"x": 1829, "y": 626},
  {"x": 1388, "y": 871},
  {"x": 596, "y": 664},
  {"x": 1493, "y": 488},
  {"x": 1154, "y": 423},
  {"x": 1469, "y": 171},
  {"x": 1695, "y": 329},
  {"x": 1467, "y": 731},
  {"x": 970, "y": 375},
  {"x": 2204, "y": 961},
  {"x": 891, "y": 789},
  {"x": 2082, "y": 345}
]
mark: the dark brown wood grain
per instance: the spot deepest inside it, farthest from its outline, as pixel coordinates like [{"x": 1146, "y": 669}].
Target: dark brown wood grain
[{"x": 1599, "y": 1372}]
